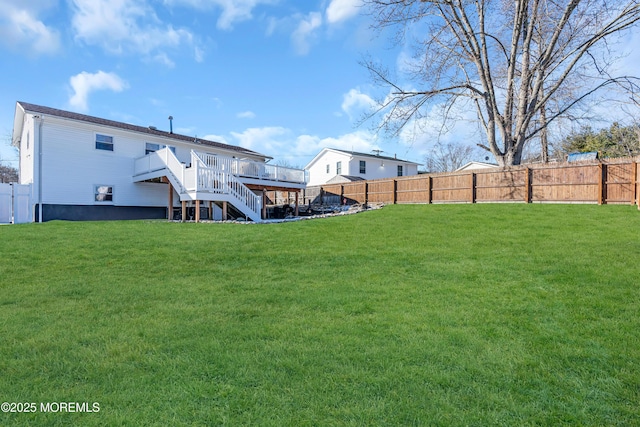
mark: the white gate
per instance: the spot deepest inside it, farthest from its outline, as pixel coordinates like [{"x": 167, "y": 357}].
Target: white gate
[
  {"x": 6, "y": 203},
  {"x": 15, "y": 203},
  {"x": 22, "y": 211}
]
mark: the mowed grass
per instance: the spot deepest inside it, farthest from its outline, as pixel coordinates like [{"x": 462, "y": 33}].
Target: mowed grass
[{"x": 409, "y": 315}]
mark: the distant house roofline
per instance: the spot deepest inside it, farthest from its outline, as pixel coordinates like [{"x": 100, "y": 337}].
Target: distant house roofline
[
  {"x": 359, "y": 154},
  {"x": 39, "y": 109},
  {"x": 477, "y": 165}
]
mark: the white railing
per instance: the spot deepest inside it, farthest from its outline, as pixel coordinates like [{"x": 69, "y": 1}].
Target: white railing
[
  {"x": 216, "y": 177},
  {"x": 251, "y": 169},
  {"x": 220, "y": 181},
  {"x": 178, "y": 174}
]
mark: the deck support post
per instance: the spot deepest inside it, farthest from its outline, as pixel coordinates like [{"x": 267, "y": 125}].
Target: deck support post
[
  {"x": 184, "y": 210},
  {"x": 197, "y": 211},
  {"x": 224, "y": 211},
  {"x": 170, "y": 207},
  {"x": 210, "y": 210},
  {"x": 297, "y": 204},
  {"x": 264, "y": 203}
]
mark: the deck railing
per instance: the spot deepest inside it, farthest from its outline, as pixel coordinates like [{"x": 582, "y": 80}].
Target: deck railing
[
  {"x": 220, "y": 181},
  {"x": 250, "y": 169}
]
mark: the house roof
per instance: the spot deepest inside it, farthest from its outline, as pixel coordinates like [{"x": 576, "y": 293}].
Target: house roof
[
  {"x": 476, "y": 165},
  {"x": 134, "y": 128},
  {"x": 358, "y": 154},
  {"x": 344, "y": 178}
]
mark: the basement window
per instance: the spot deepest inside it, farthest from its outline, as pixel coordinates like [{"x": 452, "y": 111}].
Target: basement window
[
  {"x": 104, "y": 142},
  {"x": 103, "y": 193}
]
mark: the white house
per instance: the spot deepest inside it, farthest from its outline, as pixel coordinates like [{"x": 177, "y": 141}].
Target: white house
[
  {"x": 87, "y": 168},
  {"x": 339, "y": 165}
]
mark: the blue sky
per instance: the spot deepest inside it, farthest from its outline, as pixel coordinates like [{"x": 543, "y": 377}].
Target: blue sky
[{"x": 281, "y": 77}]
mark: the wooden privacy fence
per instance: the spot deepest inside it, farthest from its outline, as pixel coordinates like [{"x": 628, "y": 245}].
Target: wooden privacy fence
[{"x": 615, "y": 181}]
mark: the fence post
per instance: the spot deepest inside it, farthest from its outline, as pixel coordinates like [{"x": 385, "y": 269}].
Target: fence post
[
  {"x": 527, "y": 185},
  {"x": 429, "y": 189},
  {"x": 634, "y": 182},
  {"x": 395, "y": 191},
  {"x": 602, "y": 183},
  {"x": 473, "y": 187},
  {"x": 366, "y": 193}
]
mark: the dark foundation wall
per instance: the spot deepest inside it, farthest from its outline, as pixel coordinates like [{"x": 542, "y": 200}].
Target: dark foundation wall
[{"x": 99, "y": 213}]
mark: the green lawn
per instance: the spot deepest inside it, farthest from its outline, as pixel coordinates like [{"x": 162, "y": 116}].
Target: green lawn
[{"x": 410, "y": 315}]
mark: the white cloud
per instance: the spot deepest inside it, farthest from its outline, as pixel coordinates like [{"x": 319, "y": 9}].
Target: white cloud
[
  {"x": 264, "y": 139},
  {"x": 20, "y": 29},
  {"x": 212, "y": 137},
  {"x": 85, "y": 83},
  {"x": 199, "y": 54},
  {"x": 246, "y": 115},
  {"x": 233, "y": 11},
  {"x": 126, "y": 26},
  {"x": 164, "y": 59},
  {"x": 305, "y": 31},
  {"x": 297, "y": 149},
  {"x": 355, "y": 102},
  {"x": 341, "y": 10}
]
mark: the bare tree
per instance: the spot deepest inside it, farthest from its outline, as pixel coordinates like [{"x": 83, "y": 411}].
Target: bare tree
[
  {"x": 448, "y": 157},
  {"x": 514, "y": 60},
  {"x": 8, "y": 173}
]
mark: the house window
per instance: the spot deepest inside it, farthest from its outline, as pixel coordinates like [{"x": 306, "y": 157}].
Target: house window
[
  {"x": 338, "y": 168},
  {"x": 150, "y": 148},
  {"x": 103, "y": 193},
  {"x": 104, "y": 142},
  {"x": 363, "y": 166},
  {"x": 328, "y": 169},
  {"x": 399, "y": 170}
]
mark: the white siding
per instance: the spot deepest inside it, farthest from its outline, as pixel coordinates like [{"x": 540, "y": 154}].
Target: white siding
[
  {"x": 72, "y": 166},
  {"x": 27, "y": 139},
  {"x": 376, "y": 168},
  {"x": 318, "y": 171}
]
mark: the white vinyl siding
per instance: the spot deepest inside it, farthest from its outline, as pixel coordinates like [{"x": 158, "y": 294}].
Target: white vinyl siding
[{"x": 70, "y": 161}]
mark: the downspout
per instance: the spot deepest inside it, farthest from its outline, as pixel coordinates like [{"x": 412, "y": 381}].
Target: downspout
[{"x": 39, "y": 167}]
